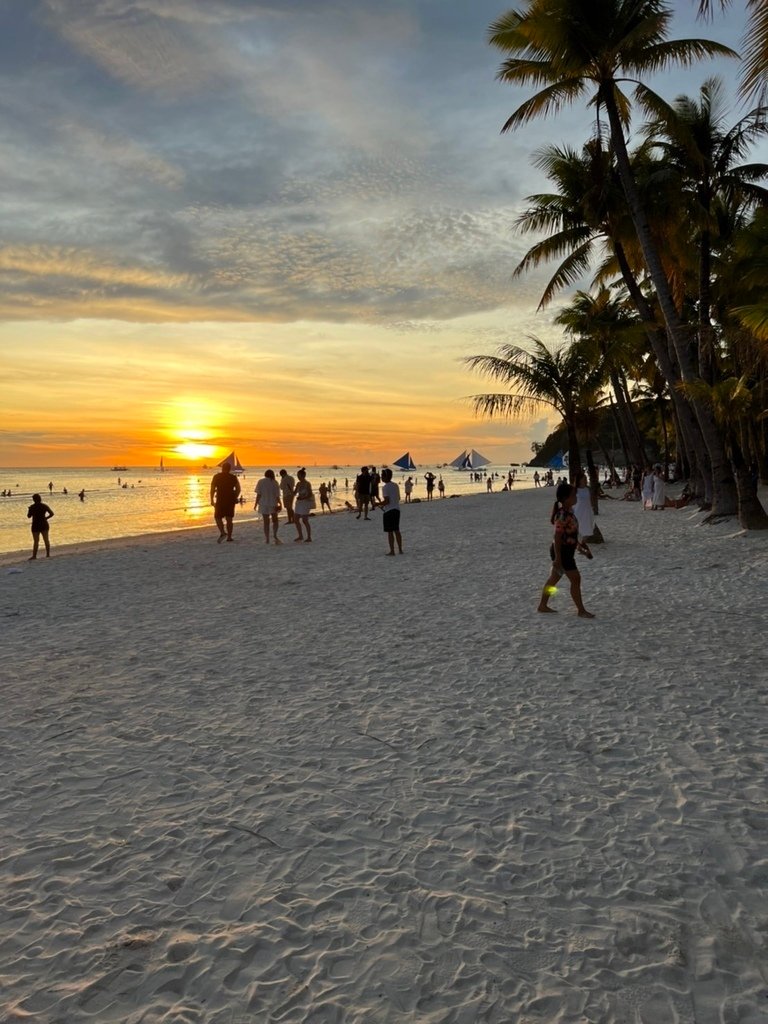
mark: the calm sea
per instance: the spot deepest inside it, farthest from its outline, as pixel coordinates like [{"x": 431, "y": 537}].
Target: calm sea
[{"x": 142, "y": 500}]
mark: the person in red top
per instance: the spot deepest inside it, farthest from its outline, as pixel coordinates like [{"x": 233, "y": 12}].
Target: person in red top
[
  {"x": 39, "y": 514},
  {"x": 563, "y": 550}
]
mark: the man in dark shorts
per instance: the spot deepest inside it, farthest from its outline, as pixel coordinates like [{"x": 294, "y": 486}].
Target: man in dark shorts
[
  {"x": 225, "y": 490},
  {"x": 390, "y": 502},
  {"x": 39, "y": 514}
]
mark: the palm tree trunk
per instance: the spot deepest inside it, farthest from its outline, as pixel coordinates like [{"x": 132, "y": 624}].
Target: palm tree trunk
[
  {"x": 752, "y": 515},
  {"x": 688, "y": 432},
  {"x": 724, "y": 496}
]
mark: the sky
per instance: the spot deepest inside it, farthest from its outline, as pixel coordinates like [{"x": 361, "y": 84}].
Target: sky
[{"x": 276, "y": 226}]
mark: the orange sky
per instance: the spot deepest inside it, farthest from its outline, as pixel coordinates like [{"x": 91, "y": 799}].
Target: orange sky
[{"x": 106, "y": 392}]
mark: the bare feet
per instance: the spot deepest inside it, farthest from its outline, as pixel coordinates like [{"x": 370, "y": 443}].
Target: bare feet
[
  {"x": 584, "y": 614},
  {"x": 297, "y": 540},
  {"x": 392, "y": 554},
  {"x": 546, "y": 608},
  {"x": 222, "y": 536},
  {"x": 278, "y": 541}
]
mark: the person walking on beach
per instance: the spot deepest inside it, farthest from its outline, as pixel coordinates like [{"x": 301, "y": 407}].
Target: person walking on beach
[
  {"x": 563, "y": 551},
  {"x": 287, "y": 485},
  {"x": 430, "y": 478},
  {"x": 363, "y": 492},
  {"x": 225, "y": 490},
  {"x": 268, "y": 503},
  {"x": 408, "y": 489},
  {"x": 304, "y": 503},
  {"x": 390, "y": 502},
  {"x": 39, "y": 514}
]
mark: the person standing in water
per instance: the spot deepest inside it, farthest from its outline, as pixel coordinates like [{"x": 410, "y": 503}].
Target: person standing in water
[
  {"x": 39, "y": 514},
  {"x": 225, "y": 490},
  {"x": 563, "y": 551}
]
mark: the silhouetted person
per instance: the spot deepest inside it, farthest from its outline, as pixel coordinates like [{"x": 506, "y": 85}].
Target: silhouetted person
[
  {"x": 81, "y": 495},
  {"x": 268, "y": 503},
  {"x": 39, "y": 514},
  {"x": 225, "y": 490},
  {"x": 287, "y": 486}
]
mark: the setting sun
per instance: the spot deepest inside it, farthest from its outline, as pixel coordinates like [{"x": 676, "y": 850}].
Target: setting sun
[{"x": 194, "y": 450}]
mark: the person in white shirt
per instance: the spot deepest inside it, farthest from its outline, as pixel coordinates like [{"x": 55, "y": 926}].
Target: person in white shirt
[
  {"x": 390, "y": 502},
  {"x": 268, "y": 503}
]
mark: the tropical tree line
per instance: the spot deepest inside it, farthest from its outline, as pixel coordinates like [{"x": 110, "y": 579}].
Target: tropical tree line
[{"x": 672, "y": 231}]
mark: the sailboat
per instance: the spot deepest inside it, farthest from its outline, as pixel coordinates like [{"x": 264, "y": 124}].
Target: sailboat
[
  {"x": 471, "y": 459},
  {"x": 161, "y": 467},
  {"x": 405, "y": 462},
  {"x": 234, "y": 463}
]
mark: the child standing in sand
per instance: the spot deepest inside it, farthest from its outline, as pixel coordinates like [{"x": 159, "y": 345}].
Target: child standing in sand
[
  {"x": 563, "y": 550},
  {"x": 39, "y": 514}
]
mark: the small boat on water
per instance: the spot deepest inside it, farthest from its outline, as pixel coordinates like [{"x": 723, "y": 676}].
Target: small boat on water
[{"x": 118, "y": 469}]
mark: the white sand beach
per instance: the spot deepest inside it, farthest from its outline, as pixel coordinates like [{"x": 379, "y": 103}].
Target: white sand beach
[{"x": 314, "y": 784}]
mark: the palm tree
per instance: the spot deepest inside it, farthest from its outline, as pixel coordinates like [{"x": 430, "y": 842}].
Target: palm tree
[
  {"x": 608, "y": 334},
  {"x": 563, "y": 379},
  {"x": 588, "y": 211},
  {"x": 734, "y": 404},
  {"x": 754, "y": 73},
  {"x": 572, "y": 47},
  {"x": 702, "y": 151}
]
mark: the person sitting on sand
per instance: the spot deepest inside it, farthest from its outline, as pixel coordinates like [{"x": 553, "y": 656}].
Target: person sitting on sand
[
  {"x": 268, "y": 503},
  {"x": 39, "y": 514},
  {"x": 390, "y": 502},
  {"x": 563, "y": 550}
]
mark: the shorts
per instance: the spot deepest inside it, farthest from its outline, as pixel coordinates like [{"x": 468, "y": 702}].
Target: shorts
[
  {"x": 391, "y": 520},
  {"x": 224, "y": 511},
  {"x": 567, "y": 557}
]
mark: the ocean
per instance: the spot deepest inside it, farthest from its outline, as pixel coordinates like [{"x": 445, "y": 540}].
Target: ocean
[{"x": 137, "y": 501}]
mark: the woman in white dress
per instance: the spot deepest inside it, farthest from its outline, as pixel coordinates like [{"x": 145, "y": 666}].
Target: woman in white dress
[{"x": 583, "y": 507}]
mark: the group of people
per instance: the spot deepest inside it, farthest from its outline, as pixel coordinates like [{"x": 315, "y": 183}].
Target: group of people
[{"x": 297, "y": 497}]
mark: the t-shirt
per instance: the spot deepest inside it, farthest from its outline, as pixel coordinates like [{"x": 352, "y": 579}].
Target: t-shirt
[
  {"x": 567, "y": 525},
  {"x": 268, "y": 494},
  {"x": 287, "y": 485},
  {"x": 37, "y": 513},
  {"x": 226, "y": 488},
  {"x": 363, "y": 483},
  {"x": 391, "y": 491}
]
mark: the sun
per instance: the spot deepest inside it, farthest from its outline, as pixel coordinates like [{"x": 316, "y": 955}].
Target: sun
[{"x": 194, "y": 450}]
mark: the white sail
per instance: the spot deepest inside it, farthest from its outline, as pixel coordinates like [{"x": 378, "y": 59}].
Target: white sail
[
  {"x": 475, "y": 460},
  {"x": 460, "y": 461}
]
